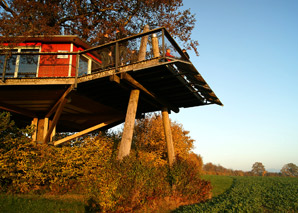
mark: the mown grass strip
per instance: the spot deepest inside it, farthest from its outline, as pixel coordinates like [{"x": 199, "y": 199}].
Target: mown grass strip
[
  {"x": 12, "y": 203},
  {"x": 219, "y": 183}
]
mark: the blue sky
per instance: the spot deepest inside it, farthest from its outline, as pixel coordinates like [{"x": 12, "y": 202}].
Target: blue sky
[{"x": 249, "y": 57}]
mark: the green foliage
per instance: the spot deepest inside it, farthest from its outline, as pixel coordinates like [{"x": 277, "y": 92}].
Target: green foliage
[{"x": 253, "y": 194}]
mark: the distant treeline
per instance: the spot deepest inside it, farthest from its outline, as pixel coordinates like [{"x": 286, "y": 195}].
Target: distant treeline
[{"x": 290, "y": 170}]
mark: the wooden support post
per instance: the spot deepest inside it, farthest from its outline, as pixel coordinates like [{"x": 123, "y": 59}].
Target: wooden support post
[
  {"x": 168, "y": 135},
  {"x": 34, "y": 123},
  {"x": 155, "y": 46},
  {"x": 40, "y": 131},
  {"x": 53, "y": 134},
  {"x": 143, "y": 46},
  {"x": 45, "y": 127},
  {"x": 126, "y": 140}
]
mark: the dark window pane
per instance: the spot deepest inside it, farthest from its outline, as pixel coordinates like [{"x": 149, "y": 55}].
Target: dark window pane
[
  {"x": 10, "y": 66},
  {"x": 28, "y": 64},
  {"x": 83, "y": 66}
]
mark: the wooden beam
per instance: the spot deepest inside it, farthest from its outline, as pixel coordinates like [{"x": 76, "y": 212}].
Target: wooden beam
[
  {"x": 18, "y": 110},
  {"x": 168, "y": 135},
  {"x": 116, "y": 79},
  {"x": 86, "y": 131},
  {"x": 125, "y": 144},
  {"x": 139, "y": 86},
  {"x": 39, "y": 81}
]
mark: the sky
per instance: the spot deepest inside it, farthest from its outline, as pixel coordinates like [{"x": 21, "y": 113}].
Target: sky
[{"x": 249, "y": 57}]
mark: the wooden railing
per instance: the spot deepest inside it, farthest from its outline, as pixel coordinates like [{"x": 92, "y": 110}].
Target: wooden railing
[{"x": 125, "y": 51}]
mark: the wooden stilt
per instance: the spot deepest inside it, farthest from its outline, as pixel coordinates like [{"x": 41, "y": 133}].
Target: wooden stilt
[
  {"x": 45, "y": 127},
  {"x": 53, "y": 133},
  {"x": 125, "y": 144},
  {"x": 143, "y": 46},
  {"x": 34, "y": 123},
  {"x": 40, "y": 131},
  {"x": 168, "y": 135}
]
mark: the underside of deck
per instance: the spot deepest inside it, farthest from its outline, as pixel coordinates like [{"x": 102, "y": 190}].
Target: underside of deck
[{"x": 103, "y": 96}]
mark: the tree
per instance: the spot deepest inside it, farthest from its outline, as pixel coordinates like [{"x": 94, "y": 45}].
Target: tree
[
  {"x": 258, "y": 169},
  {"x": 90, "y": 19},
  {"x": 290, "y": 169}
]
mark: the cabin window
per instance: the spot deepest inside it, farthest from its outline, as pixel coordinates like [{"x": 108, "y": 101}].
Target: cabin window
[
  {"x": 20, "y": 65},
  {"x": 10, "y": 64},
  {"x": 28, "y": 64},
  {"x": 83, "y": 65},
  {"x": 87, "y": 64}
]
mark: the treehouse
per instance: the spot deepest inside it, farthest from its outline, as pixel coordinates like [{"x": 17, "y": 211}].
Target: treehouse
[{"x": 62, "y": 84}]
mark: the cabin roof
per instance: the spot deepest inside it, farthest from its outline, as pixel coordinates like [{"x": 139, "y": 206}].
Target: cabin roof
[{"x": 48, "y": 39}]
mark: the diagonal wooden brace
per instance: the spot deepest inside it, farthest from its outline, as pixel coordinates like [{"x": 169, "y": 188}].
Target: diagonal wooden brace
[{"x": 58, "y": 107}]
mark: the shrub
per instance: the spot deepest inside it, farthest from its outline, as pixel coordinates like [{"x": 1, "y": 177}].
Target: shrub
[
  {"x": 90, "y": 168},
  {"x": 184, "y": 176}
]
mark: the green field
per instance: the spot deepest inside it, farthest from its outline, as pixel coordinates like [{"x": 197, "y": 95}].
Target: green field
[{"x": 251, "y": 194}]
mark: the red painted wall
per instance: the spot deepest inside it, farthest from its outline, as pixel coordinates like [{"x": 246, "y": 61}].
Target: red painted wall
[
  {"x": 57, "y": 65},
  {"x": 54, "y": 65}
]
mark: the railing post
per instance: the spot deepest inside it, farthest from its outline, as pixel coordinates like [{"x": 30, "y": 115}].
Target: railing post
[
  {"x": 117, "y": 56},
  {"x": 155, "y": 46},
  {"x": 163, "y": 43},
  {"x": 4, "y": 68},
  {"x": 77, "y": 70},
  {"x": 143, "y": 45}
]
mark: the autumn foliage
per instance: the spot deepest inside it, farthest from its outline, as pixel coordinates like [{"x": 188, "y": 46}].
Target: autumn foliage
[
  {"x": 91, "y": 19},
  {"x": 89, "y": 167}
]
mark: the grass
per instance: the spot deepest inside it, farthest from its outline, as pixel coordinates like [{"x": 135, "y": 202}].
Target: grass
[
  {"x": 219, "y": 183},
  {"x": 37, "y": 204},
  {"x": 47, "y": 203}
]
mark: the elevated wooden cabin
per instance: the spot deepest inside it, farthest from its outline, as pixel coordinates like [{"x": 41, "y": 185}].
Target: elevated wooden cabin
[{"x": 61, "y": 84}]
